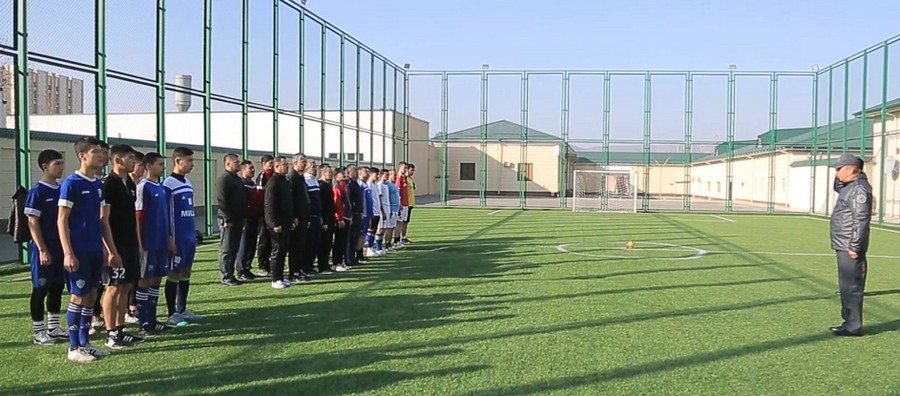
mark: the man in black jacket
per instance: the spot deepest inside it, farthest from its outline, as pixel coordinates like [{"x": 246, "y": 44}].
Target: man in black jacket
[
  {"x": 264, "y": 240},
  {"x": 850, "y": 239},
  {"x": 301, "y": 212},
  {"x": 231, "y": 198},
  {"x": 314, "y": 218},
  {"x": 326, "y": 192},
  {"x": 280, "y": 220},
  {"x": 357, "y": 199}
]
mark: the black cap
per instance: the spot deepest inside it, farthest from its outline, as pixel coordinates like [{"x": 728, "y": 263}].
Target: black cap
[{"x": 848, "y": 159}]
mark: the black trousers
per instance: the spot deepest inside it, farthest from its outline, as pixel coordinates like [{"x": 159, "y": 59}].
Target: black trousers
[
  {"x": 229, "y": 245},
  {"x": 311, "y": 247},
  {"x": 264, "y": 246},
  {"x": 355, "y": 247},
  {"x": 281, "y": 244},
  {"x": 339, "y": 248},
  {"x": 297, "y": 258},
  {"x": 852, "y": 282},
  {"x": 326, "y": 242},
  {"x": 249, "y": 239}
]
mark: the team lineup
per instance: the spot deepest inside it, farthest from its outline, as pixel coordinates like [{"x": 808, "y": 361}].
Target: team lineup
[{"x": 111, "y": 239}]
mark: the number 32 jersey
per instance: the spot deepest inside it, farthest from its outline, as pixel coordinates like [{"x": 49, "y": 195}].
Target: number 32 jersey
[{"x": 181, "y": 207}]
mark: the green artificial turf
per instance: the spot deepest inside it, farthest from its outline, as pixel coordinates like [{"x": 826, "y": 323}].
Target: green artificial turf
[{"x": 486, "y": 303}]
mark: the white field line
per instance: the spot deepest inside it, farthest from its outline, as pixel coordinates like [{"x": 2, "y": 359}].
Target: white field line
[
  {"x": 493, "y": 213},
  {"x": 723, "y": 218}
]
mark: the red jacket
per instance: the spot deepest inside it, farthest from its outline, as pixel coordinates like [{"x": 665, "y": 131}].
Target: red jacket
[
  {"x": 340, "y": 192},
  {"x": 404, "y": 189},
  {"x": 255, "y": 200}
]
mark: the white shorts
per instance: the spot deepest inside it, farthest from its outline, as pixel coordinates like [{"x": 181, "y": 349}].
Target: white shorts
[
  {"x": 390, "y": 222},
  {"x": 404, "y": 213}
]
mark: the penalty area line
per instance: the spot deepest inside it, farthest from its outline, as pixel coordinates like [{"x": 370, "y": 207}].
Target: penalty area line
[{"x": 724, "y": 218}]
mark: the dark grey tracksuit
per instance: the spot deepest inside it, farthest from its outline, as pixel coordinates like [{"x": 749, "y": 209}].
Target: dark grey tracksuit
[{"x": 850, "y": 232}]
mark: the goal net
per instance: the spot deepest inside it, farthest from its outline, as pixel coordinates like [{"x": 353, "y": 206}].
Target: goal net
[{"x": 605, "y": 191}]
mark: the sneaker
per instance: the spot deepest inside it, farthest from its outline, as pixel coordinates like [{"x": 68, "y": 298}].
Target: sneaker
[
  {"x": 154, "y": 329},
  {"x": 130, "y": 339},
  {"x": 176, "y": 320},
  {"x": 79, "y": 355},
  {"x": 329, "y": 271},
  {"x": 115, "y": 342},
  {"x": 131, "y": 318},
  {"x": 263, "y": 273},
  {"x": 279, "y": 285},
  {"x": 42, "y": 338},
  {"x": 230, "y": 282},
  {"x": 341, "y": 268},
  {"x": 190, "y": 316},
  {"x": 99, "y": 353},
  {"x": 250, "y": 275},
  {"x": 370, "y": 252},
  {"x": 58, "y": 334},
  {"x": 243, "y": 277},
  {"x": 380, "y": 253}
]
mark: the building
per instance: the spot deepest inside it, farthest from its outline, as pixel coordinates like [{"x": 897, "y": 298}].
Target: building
[{"x": 50, "y": 93}]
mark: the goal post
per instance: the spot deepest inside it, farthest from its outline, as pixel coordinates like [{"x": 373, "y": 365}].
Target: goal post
[{"x": 611, "y": 190}]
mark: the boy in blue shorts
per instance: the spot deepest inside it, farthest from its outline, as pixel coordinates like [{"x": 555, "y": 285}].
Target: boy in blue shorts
[
  {"x": 152, "y": 208},
  {"x": 45, "y": 253},
  {"x": 83, "y": 234},
  {"x": 181, "y": 202}
]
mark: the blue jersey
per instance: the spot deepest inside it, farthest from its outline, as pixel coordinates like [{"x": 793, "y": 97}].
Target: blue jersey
[
  {"x": 181, "y": 208},
  {"x": 370, "y": 201},
  {"x": 84, "y": 196},
  {"x": 152, "y": 204},
  {"x": 43, "y": 202},
  {"x": 394, "y": 193}
]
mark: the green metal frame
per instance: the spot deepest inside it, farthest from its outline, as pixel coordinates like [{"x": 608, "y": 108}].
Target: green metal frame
[
  {"x": 883, "y": 117},
  {"x": 275, "y": 82},
  {"x": 100, "y": 64},
  {"x": 341, "y": 133},
  {"x": 245, "y": 78},
  {"x": 161, "y": 77},
  {"x": 22, "y": 105},
  {"x": 207, "y": 118}
]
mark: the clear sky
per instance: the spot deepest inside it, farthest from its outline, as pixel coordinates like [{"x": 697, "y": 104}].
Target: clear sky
[{"x": 507, "y": 34}]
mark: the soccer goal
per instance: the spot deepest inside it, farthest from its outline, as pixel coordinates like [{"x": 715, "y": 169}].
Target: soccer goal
[{"x": 605, "y": 191}]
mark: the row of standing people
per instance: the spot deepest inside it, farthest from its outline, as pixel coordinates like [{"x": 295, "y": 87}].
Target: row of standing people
[{"x": 304, "y": 219}]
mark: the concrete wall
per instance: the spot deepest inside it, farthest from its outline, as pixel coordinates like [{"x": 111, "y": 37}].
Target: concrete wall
[
  {"x": 889, "y": 180},
  {"x": 502, "y": 163}
]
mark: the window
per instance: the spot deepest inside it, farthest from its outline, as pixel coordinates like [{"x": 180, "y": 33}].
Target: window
[
  {"x": 524, "y": 170},
  {"x": 466, "y": 171},
  {"x": 333, "y": 156},
  {"x": 718, "y": 186}
]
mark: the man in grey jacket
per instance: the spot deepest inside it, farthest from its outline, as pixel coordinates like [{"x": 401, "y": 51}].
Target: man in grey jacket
[{"x": 850, "y": 239}]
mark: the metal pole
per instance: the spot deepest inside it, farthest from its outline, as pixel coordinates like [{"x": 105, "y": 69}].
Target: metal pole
[
  {"x": 22, "y": 105},
  {"x": 606, "y": 114},
  {"x": 207, "y": 105},
  {"x": 482, "y": 192},
  {"x": 100, "y": 63},
  {"x": 275, "y": 83},
  {"x": 564, "y": 148},
  {"x": 688, "y": 137},
  {"x": 445, "y": 97},
  {"x": 301, "y": 143},
  {"x": 322, "y": 90},
  {"x": 343, "y": 60},
  {"x": 371, "y": 110},
  {"x": 828, "y": 136},
  {"x": 863, "y": 119},
  {"x": 648, "y": 92},
  {"x": 882, "y": 159},
  {"x": 523, "y": 139},
  {"x": 384, "y": 115},
  {"x": 405, "y": 116},
  {"x": 815, "y": 145},
  {"x": 394, "y": 122},
  {"x": 846, "y": 106},
  {"x": 773, "y": 140},
  {"x": 358, "y": 103},
  {"x": 729, "y": 144},
  {"x": 245, "y": 79},
  {"x": 161, "y": 77}
]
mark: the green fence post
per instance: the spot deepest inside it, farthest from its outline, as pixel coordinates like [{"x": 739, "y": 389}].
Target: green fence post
[
  {"x": 358, "y": 104},
  {"x": 275, "y": 135},
  {"x": 245, "y": 78},
  {"x": 445, "y": 97},
  {"x": 815, "y": 145},
  {"x": 688, "y": 137},
  {"x": 301, "y": 144},
  {"x": 23, "y": 100},
  {"x": 564, "y": 147},
  {"x": 773, "y": 140},
  {"x": 322, "y": 104},
  {"x": 648, "y": 92},
  {"x": 371, "y": 110},
  {"x": 828, "y": 134},
  {"x": 523, "y": 140},
  {"x": 729, "y": 143},
  {"x": 606, "y": 115},
  {"x": 863, "y": 119},
  {"x": 384, "y": 115},
  {"x": 884, "y": 100},
  {"x": 207, "y": 122},
  {"x": 161, "y": 77},
  {"x": 405, "y": 116},
  {"x": 100, "y": 64},
  {"x": 482, "y": 192},
  {"x": 846, "y": 128},
  {"x": 394, "y": 122},
  {"x": 343, "y": 82}
]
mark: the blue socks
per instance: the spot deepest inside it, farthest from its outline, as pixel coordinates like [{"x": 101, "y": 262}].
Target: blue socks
[
  {"x": 152, "y": 300},
  {"x": 379, "y": 242},
  {"x": 73, "y": 319},
  {"x": 370, "y": 238},
  {"x": 141, "y": 301},
  {"x": 84, "y": 335}
]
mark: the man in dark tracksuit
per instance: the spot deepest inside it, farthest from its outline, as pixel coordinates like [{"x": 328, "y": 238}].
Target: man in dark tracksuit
[
  {"x": 280, "y": 220},
  {"x": 850, "y": 240},
  {"x": 314, "y": 218},
  {"x": 231, "y": 198},
  {"x": 357, "y": 196},
  {"x": 301, "y": 212},
  {"x": 264, "y": 244},
  {"x": 250, "y": 236},
  {"x": 326, "y": 192}
]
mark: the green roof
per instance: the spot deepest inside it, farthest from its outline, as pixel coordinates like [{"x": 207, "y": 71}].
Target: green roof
[
  {"x": 625, "y": 158},
  {"x": 500, "y": 130},
  {"x": 889, "y": 106}
]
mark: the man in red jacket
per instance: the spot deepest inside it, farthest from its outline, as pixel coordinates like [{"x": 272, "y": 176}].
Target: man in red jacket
[
  {"x": 342, "y": 219},
  {"x": 255, "y": 196}
]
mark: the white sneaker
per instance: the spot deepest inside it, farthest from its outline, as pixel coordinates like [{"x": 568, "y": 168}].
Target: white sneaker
[
  {"x": 58, "y": 333},
  {"x": 79, "y": 355},
  {"x": 43, "y": 338},
  {"x": 340, "y": 268},
  {"x": 131, "y": 318},
  {"x": 370, "y": 252},
  {"x": 176, "y": 321},
  {"x": 99, "y": 353},
  {"x": 190, "y": 316},
  {"x": 380, "y": 253},
  {"x": 279, "y": 285}
]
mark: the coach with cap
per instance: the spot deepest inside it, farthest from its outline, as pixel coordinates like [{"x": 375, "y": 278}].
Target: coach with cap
[{"x": 850, "y": 239}]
